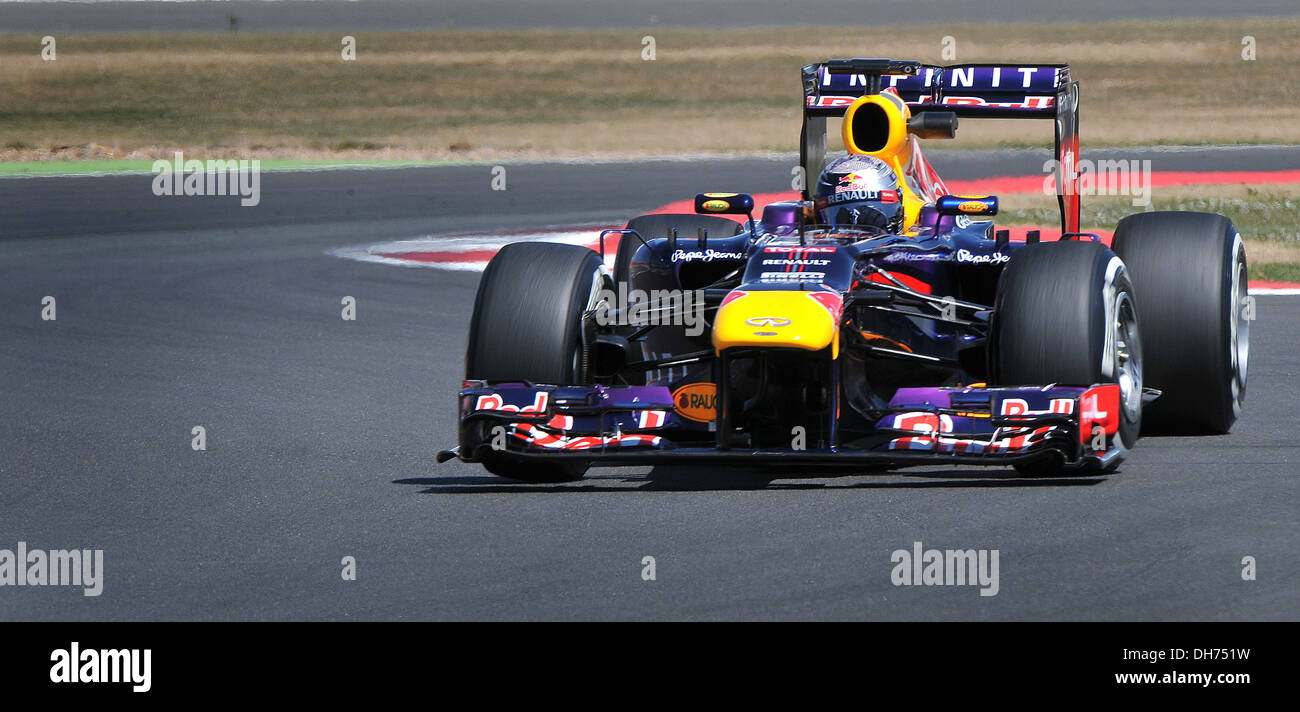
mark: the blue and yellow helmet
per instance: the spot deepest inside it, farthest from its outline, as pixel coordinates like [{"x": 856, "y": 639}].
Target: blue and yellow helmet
[{"x": 860, "y": 191}]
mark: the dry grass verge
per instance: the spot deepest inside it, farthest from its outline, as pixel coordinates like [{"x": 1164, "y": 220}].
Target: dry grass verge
[{"x": 566, "y": 93}]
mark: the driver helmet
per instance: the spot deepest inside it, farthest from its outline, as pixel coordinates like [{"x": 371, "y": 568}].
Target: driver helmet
[{"x": 859, "y": 191}]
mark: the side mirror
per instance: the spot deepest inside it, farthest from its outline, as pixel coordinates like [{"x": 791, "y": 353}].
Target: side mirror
[
  {"x": 724, "y": 204},
  {"x": 967, "y": 205}
]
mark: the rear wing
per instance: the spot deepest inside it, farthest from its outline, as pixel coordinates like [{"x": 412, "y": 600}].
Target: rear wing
[{"x": 997, "y": 91}]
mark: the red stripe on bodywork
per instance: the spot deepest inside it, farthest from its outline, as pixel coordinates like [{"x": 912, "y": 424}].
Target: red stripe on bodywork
[{"x": 911, "y": 282}]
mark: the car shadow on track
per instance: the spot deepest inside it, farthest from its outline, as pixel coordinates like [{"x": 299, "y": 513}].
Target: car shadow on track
[{"x": 710, "y": 479}]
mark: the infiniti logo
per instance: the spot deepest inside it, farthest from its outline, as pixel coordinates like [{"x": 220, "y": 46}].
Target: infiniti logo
[{"x": 774, "y": 321}]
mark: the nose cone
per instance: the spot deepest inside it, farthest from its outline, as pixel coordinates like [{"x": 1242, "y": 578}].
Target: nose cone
[{"x": 799, "y": 319}]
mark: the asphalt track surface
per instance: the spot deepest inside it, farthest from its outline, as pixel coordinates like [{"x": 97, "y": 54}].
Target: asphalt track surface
[
  {"x": 177, "y": 312},
  {"x": 373, "y": 15}
]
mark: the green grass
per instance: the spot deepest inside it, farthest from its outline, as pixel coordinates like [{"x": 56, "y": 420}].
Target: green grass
[
  {"x": 1276, "y": 272},
  {"x": 1268, "y": 217},
  {"x": 1268, "y": 213}
]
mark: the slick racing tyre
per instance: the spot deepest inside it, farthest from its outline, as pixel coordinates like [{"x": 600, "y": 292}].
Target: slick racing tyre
[
  {"x": 656, "y": 226},
  {"x": 527, "y": 326},
  {"x": 1066, "y": 313},
  {"x": 1189, "y": 272}
]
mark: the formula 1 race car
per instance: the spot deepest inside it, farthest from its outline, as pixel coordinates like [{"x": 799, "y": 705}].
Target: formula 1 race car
[{"x": 877, "y": 322}]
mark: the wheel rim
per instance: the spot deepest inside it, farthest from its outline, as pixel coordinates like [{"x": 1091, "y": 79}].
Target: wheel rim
[
  {"x": 1239, "y": 338},
  {"x": 1128, "y": 357}
]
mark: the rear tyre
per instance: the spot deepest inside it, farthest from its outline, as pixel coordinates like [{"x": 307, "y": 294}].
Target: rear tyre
[
  {"x": 1189, "y": 271},
  {"x": 1065, "y": 313},
  {"x": 656, "y": 226},
  {"x": 650, "y": 227},
  {"x": 527, "y": 326}
]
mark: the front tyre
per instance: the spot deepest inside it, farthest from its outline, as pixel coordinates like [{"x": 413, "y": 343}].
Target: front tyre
[
  {"x": 1066, "y": 313},
  {"x": 528, "y": 326}
]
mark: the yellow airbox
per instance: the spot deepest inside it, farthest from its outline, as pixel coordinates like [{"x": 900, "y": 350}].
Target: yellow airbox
[{"x": 876, "y": 125}]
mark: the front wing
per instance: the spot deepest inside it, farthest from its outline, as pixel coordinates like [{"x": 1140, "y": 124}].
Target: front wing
[{"x": 972, "y": 425}]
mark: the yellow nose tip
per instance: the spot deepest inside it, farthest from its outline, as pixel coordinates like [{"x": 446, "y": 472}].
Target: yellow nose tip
[{"x": 775, "y": 318}]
